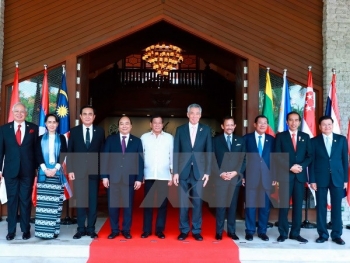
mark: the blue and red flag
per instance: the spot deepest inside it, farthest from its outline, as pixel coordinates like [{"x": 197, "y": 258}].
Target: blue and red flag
[{"x": 62, "y": 111}]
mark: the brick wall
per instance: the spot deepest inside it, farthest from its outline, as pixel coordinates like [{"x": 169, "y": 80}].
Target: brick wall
[{"x": 336, "y": 54}]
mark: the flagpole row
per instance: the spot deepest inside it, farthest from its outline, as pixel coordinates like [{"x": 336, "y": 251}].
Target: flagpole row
[
  {"x": 268, "y": 69},
  {"x": 309, "y": 67},
  {"x": 16, "y": 63},
  {"x": 45, "y": 66}
]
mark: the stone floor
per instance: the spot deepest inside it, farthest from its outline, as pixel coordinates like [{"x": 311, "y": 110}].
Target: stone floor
[{"x": 65, "y": 249}]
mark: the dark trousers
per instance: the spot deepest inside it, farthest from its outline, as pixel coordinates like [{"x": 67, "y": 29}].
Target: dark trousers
[
  {"x": 87, "y": 203},
  {"x": 190, "y": 195},
  {"x": 295, "y": 189},
  {"x": 19, "y": 193},
  {"x": 257, "y": 199},
  {"x": 226, "y": 195},
  {"x": 155, "y": 189},
  {"x": 120, "y": 196},
  {"x": 321, "y": 210}
]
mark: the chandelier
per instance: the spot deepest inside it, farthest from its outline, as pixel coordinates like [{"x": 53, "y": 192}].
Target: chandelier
[{"x": 163, "y": 58}]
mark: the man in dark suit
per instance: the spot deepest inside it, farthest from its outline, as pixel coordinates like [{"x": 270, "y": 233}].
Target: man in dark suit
[
  {"x": 84, "y": 146},
  {"x": 329, "y": 171},
  {"x": 122, "y": 173},
  {"x": 192, "y": 165},
  {"x": 258, "y": 178},
  {"x": 17, "y": 146},
  {"x": 298, "y": 146},
  {"x": 229, "y": 152}
]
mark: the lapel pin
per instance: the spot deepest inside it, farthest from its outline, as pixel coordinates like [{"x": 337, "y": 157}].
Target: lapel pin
[
  {"x": 335, "y": 140},
  {"x": 299, "y": 139},
  {"x": 235, "y": 139},
  {"x": 267, "y": 140},
  {"x": 200, "y": 129}
]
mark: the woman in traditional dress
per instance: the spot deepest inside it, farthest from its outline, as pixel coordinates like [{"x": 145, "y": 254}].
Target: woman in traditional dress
[{"x": 50, "y": 191}]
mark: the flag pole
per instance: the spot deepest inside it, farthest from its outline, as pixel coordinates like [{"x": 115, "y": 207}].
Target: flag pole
[{"x": 307, "y": 224}]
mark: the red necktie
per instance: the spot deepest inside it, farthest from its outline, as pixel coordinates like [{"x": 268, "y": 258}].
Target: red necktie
[
  {"x": 18, "y": 135},
  {"x": 294, "y": 142}
]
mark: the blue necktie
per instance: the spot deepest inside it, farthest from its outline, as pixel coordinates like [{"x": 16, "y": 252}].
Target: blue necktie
[
  {"x": 228, "y": 140},
  {"x": 328, "y": 146},
  {"x": 260, "y": 148}
]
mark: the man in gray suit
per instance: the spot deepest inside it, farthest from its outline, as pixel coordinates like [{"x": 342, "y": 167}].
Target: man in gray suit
[{"x": 192, "y": 165}]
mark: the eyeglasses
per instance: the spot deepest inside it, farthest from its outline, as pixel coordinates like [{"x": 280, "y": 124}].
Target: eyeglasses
[{"x": 20, "y": 111}]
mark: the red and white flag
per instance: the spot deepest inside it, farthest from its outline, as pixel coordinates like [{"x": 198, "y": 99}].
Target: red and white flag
[
  {"x": 14, "y": 94},
  {"x": 309, "y": 121}
]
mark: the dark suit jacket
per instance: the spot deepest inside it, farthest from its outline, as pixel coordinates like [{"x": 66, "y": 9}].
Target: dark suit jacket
[
  {"x": 302, "y": 156},
  {"x": 16, "y": 156},
  {"x": 39, "y": 153},
  {"x": 119, "y": 167},
  {"x": 258, "y": 168},
  {"x": 200, "y": 154},
  {"x": 323, "y": 168},
  {"x": 226, "y": 160},
  {"x": 81, "y": 160}
]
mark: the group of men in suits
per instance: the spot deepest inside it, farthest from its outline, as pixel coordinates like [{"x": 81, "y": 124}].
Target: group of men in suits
[
  {"x": 284, "y": 160},
  {"x": 233, "y": 161}
]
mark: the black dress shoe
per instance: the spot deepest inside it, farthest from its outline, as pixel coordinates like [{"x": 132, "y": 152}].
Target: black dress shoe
[
  {"x": 92, "y": 234},
  {"x": 10, "y": 236},
  {"x": 233, "y": 236},
  {"x": 281, "y": 238},
  {"x": 113, "y": 235},
  {"x": 263, "y": 237},
  {"x": 145, "y": 234},
  {"x": 249, "y": 237},
  {"x": 299, "y": 238},
  {"x": 182, "y": 236},
  {"x": 26, "y": 235},
  {"x": 338, "y": 241},
  {"x": 160, "y": 235},
  {"x": 78, "y": 235},
  {"x": 126, "y": 234},
  {"x": 197, "y": 237},
  {"x": 321, "y": 240},
  {"x": 218, "y": 236}
]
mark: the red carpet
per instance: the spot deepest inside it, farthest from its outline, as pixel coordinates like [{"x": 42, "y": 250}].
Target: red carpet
[{"x": 153, "y": 249}]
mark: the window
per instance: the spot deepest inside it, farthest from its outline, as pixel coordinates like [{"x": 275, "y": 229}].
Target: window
[{"x": 30, "y": 92}]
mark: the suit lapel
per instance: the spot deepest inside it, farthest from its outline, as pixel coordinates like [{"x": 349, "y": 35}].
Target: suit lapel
[
  {"x": 266, "y": 145},
  {"x": 129, "y": 144},
  {"x": 334, "y": 143},
  {"x": 12, "y": 131},
  {"x": 223, "y": 142}
]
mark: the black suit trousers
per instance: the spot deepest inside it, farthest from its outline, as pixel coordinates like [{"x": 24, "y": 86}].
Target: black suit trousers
[
  {"x": 86, "y": 210},
  {"x": 321, "y": 210},
  {"x": 155, "y": 189},
  {"x": 190, "y": 195},
  {"x": 19, "y": 194},
  {"x": 295, "y": 189}
]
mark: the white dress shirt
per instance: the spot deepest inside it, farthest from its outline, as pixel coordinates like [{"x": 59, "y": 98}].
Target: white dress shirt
[
  {"x": 90, "y": 131},
  {"x": 158, "y": 155},
  {"x": 23, "y": 128},
  {"x": 126, "y": 139},
  {"x": 262, "y": 139}
]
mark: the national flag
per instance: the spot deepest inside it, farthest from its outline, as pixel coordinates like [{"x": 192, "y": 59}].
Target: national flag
[
  {"x": 268, "y": 105},
  {"x": 308, "y": 124},
  {"x": 332, "y": 109},
  {"x": 62, "y": 111},
  {"x": 309, "y": 121},
  {"x": 285, "y": 107},
  {"x": 14, "y": 94},
  {"x": 348, "y": 188},
  {"x": 44, "y": 107}
]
